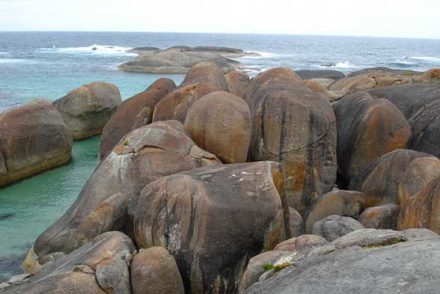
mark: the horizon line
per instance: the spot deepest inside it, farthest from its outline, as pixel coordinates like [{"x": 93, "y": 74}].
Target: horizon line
[{"x": 221, "y": 33}]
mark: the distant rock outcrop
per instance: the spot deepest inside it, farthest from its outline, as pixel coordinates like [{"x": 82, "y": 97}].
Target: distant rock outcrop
[{"x": 179, "y": 59}]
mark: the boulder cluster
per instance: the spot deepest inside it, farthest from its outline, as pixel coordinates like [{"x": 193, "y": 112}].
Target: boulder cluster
[{"x": 226, "y": 184}]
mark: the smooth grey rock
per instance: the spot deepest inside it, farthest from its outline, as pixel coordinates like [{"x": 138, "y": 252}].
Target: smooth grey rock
[
  {"x": 419, "y": 234},
  {"x": 302, "y": 244},
  {"x": 335, "y": 226},
  {"x": 255, "y": 267},
  {"x": 113, "y": 276},
  {"x": 380, "y": 217},
  {"x": 408, "y": 267}
]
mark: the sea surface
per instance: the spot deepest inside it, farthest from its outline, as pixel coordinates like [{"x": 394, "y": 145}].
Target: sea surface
[{"x": 49, "y": 64}]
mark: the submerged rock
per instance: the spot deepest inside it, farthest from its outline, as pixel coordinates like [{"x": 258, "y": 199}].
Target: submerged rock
[
  {"x": 212, "y": 220},
  {"x": 33, "y": 138},
  {"x": 296, "y": 127},
  {"x": 133, "y": 113},
  {"x": 110, "y": 195},
  {"x": 87, "y": 109}
]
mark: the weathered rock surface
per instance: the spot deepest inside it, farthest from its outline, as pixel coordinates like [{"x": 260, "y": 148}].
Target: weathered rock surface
[
  {"x": 143, "y": 156},
  {"x": 380, "y": 217},
  {"x": 33, "y": 138},
  {"x": 419, "y": 195},
  {"x": 304, "y": 243},
  {"x": 296, "y": 127},
  {"x": 100, "y": 266},
  {"x": 212, "y": 220},
  {"x": 380, "y": 180},
  {"x": 178, "y": 60},
  {"x": 320, "y": 74},
  {"x": 133, "y": 113},
  {"x": 238, "y": 83},
  {"x": 296, "y": 223},
  {"x": 367, "y": 129},
  {"x": 87, "y": 109},
  {"x": 256, "y": 267},
  {"x": 419, "y": 234},
  {"x": 220, "y": 123},
  {"x": 335, "y": 226},
  {"x": 154, "y": 270},
  {"x": 358, "y": 271},
  {"x": 372, "y": 78},
  {"x": 420, "y": 103},
  {"x": 206, "y": 73},
  {"x": 176, "y": 104},
  {"x": 337, "y": 202}
]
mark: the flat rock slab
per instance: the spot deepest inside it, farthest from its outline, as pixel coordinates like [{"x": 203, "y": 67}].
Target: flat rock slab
[{"x": 408, "y": 267}]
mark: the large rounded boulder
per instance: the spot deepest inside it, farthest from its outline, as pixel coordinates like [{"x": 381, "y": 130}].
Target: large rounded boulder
[
  {"x": 294, "y": 126},
  {"x": 238, "y": 82},
  {"x": 220, "y": 123},
  {"x": 419, "y": 195},
  {"x": 154, "y": 270},
  {"x": 367, "y": 129},
  {"x": 100, "y": 266},
  {"x": 212, "y": 220},
  {"x": 420, "y": 103},
  {"x": 176, "y": 104},
  {"x": 33, "y": 138},
  {"x": 87, "y": 109},
  {"x": 206, "y": 72},
  {"x": 337, "y": 202},
  {"x": 370, "y": 79},
  {"x": 110, "y": 195},
  {"x": 133, "y": 113},
  {"x": 380, "y": 180}
]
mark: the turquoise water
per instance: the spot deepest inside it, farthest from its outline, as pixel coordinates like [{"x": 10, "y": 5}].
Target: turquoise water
[{"x": 28, "y": 207}]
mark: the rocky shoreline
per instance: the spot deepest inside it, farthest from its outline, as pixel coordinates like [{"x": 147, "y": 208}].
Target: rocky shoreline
[{"x": 288, "y": 182}]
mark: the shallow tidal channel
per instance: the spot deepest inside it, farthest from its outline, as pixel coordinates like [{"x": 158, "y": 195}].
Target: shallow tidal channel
[{"x": 28, "y": 207}]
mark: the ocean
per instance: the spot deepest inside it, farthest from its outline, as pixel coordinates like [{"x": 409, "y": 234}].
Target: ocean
[{"x": 49, "y": 64}]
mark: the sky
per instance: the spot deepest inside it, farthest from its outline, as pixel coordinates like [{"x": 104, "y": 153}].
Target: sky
[{"x": 387, "y": 18}]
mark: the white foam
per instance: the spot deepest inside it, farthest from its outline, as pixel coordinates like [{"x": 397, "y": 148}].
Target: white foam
[
  {"x": 259, "y": 55},
  {"x": 15, "y": 60},
  {"x": 345, "y": 64},
  {"x": 432, "y": 59},
  {"x": 93, "y": 49},
  {"x": 3, "y": 53}
]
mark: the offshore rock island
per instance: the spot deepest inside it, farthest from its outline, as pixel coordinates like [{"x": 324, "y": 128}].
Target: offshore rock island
[
  {"x": 287, "y": 182},
  {"x": 179, "y": 59}
]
